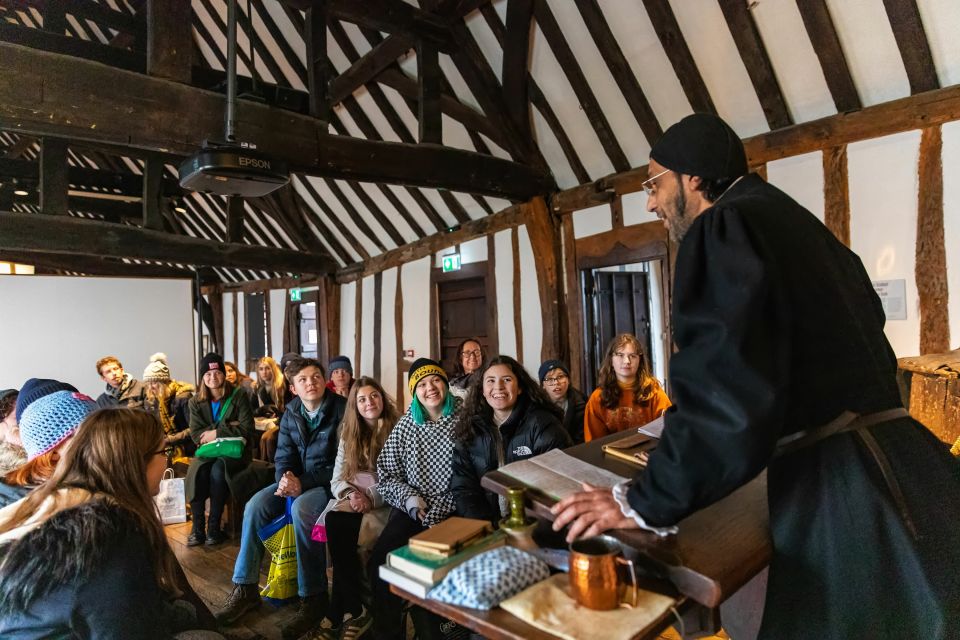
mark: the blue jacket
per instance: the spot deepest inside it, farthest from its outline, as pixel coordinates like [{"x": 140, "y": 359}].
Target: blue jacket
[{"x": 309, "y": 455}]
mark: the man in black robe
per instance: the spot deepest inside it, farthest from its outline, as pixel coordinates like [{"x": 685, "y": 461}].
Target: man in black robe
[{"x": 782, "y": 364}]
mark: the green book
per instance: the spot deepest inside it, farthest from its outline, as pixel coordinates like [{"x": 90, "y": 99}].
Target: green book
[{"x": 431, "y": 568}]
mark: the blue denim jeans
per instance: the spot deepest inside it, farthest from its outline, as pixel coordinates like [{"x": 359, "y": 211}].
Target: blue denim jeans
[{"x": 264, "y": 507}]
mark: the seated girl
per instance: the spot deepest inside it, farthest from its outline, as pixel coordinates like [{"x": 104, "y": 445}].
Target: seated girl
[
  {"x": 85, "y": 555},
  {"x": 269, "y": 389},
  {"x": 168, "y": 400},
  {"x": 414, "y": 473},
  {"x": 360, "y": 514},
  {"x": 627, "y": 396},
  {"x": 506, "y": 417},
  {"x": 219, "y": 410}
]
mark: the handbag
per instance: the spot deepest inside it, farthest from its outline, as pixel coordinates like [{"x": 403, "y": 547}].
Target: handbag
[
  {"x": 171, "y": 501},
  {"x": 222, "y": 448},
  {"x": 364, "y": 482}
]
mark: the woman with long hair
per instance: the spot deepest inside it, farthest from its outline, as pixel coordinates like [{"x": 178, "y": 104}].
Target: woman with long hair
[
  {"x": 219, "y": 410},
  {"x": 239, "y": 379},
  {"x": 414, "y": 475},
  {"x": 470, "y": 356},
  {"x": 85, "y": 555},
  {"x": 269, "y": 389},
  {"x": 506, "y": 417},
  {"x": 360, "y": 513},
  {"x": 168, "y": 400},
  {"x": 627, "y": 396}
]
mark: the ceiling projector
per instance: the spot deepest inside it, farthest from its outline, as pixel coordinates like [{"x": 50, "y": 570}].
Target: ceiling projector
[{"x": 233, "y": 170}]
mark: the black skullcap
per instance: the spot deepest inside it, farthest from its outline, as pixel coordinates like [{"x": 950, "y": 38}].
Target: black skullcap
[
  {"x": 212, "y": 362},
  {"x": 701, "y": 145},
  {"x": 549, "y": 366}
]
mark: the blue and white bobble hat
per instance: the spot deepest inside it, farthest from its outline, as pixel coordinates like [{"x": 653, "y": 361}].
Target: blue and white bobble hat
[{"x": 50, "y": 420}]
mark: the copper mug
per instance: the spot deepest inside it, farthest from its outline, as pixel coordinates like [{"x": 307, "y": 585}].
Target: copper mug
[{"x": 594, "y": 577}]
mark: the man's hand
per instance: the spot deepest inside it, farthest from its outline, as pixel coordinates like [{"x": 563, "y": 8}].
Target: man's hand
[
  {"x": 359, "y": 502},
  {"x": 289, "y": 486},
  {"x": 208, "y": 436},
  {"x": 591, "y": 512}
]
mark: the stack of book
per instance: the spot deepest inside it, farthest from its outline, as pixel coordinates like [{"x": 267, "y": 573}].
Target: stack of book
[{"x": 431, "y": 555}]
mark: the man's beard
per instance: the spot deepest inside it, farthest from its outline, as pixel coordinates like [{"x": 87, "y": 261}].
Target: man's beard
[{"x": 679, "y": 223}]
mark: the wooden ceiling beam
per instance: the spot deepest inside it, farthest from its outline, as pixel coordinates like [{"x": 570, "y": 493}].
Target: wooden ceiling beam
[
  {"x": 826, "y": 44},
  {"x": 148, "y": 113},
  {"x": 671, "y": 38},
  {"x": 53, "y": 176},
  {"x": 74, "y": 47},
  {"x": 619, "y": 68},
  {"x": 581, "y": 87},
  {"x": 128, "y": 184},
  {"x": 912, "y": 41},
  {"x": 365, "y": 69},
  {"x": 514, "y": 72},
  {"x": 757, "y": 62},
  {"x": 63, "y": 235},
  {"x": 319, "y": 69},
  {"x": 98, "y": 12},
  {"x": 95, "y": 266},
  {"x": 169, "y": 45}
]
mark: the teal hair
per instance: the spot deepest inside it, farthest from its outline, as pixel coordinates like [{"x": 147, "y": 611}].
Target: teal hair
[{"x": 419, "y": 413}]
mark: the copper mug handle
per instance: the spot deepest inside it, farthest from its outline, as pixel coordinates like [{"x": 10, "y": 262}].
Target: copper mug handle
[{"x": 594, "y": 580}]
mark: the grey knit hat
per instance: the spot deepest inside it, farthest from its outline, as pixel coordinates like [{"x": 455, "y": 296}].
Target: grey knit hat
[{"x": 157, "y": 370}]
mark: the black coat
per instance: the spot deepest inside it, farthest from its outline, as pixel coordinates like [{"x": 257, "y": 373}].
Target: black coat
[
  {"x": 309, "y": 455},
  {"x": 573, "y": 415},
  {"x": 529, "y": 431},
  {"x": 778, "y": 330},
  {"x": 237, "y": 421},
  {"x": 87, "y": 573}
]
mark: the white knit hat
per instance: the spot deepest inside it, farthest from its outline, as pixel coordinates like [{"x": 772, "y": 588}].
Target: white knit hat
[{"x": 157, "y": 370}]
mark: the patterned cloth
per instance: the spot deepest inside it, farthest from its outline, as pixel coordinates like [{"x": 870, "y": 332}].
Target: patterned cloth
[
  {"x": 416, "y": 463},
  {"x": 486, "y": 580},
  {"x": 52, "y": 419}
]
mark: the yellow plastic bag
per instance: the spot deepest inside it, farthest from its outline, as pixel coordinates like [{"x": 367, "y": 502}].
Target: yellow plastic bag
[{"x": 279, "y": 539}]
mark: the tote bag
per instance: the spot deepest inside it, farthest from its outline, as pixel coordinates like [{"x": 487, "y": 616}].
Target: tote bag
[{"x": 171, "y": 501}]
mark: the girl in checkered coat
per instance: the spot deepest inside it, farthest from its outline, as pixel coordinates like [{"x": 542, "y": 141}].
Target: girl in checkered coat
[{"x": 414, "y": 471}]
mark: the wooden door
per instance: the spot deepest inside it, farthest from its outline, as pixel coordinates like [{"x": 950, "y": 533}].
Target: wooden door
[{"x": 462, "y": 310}]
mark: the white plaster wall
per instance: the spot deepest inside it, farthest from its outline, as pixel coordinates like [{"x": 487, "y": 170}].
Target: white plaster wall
[
  {"x": 227, "y": 349},
  {"x": 635, "y": 209},
  {"x": 951, "y": 224},
  {"x": 472, "y": 251},
  {"x": 883, "y": 222},
  {"x": 940, "y": 20},
  {"x": 348, "y": 332},
  {"x": 414, "y": 281},
  {"x": 531, "y": 316},
  {"x": 241, "y": 354},
  {"x": 278, "y": 306},
  {"x": 588, "y": 222},
  {"x": 801, "y": 178},
  {"x": 389, "y": 353},
  {"x": 365, "y": 366},
  {"x": 506, "y": 334}
]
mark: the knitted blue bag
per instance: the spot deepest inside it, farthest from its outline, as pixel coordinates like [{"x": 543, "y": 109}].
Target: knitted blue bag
[{"x": 487, "y": 579}]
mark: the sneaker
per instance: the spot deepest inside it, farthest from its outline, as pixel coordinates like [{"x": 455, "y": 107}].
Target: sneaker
[
  {"x": 243, "y": 598},
  {"x": 312, "y": 611},
  {"x": 215, "y": 538},
  {"x": 196, "y": 539},
  {"x": 324, "y": 631},
  {"x": 356, "y": 627}
]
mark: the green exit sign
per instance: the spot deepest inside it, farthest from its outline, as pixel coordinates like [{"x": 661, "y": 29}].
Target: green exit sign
[
  {"x": 451, "y": 262},
  {"x": 296, "y": 295}
]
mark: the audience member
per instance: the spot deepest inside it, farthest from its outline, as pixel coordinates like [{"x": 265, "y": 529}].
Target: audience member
[
  {"x": 168, "y": 400},
  {"x": 470, "y": 356},
  {"x": 357, "y": 519},
  {"x": 241, "y": 380},
  {"x": 555, "y": 379},
  {"x": 85, "y": 555},
  {"x": 218, "y": 410},
  {"x": 269, "y": 398},
  {"x": 46, "y": 423},
  {"x": 341, "y": 375},
  {"x": 122, "y": 389},
  {"x": 12, "y": 453},
  {"x": 414, "y": 470},
  {"x": 506, "y": 417},
  {"x": 627, "y": 396},
  {"x": 305, "y": 458}
]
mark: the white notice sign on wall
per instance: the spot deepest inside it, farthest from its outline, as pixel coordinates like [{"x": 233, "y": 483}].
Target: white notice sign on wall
[{"x": 893, "y": 296}]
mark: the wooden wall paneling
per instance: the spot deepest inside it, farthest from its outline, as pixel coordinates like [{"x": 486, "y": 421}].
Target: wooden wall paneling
[
  {"x": 545, "y": 242},
  {"x": 675, "y": 46},
  {"x": 574, "y": 301},
  {"x": 236, "y": 329},
  {"x": 319, "y": 70},
  {"x": 914, "y": 48},
  {"x": 619, "y": 68},
  {"x": 358, "y": 325},
  {"x": 516, "y": 49},
  {"x": 616, "y": 212},
  {"x": 826, "y": 44},
  {"x": 377, "y": 322},
  {"x": 169, "y": 44},
  {"x": 152, "y": 194},
  {"x": 836, "y": 193},
  {"x": 931, "y": 254},
  {"x": 757, "y": 62},
  {"x": 331, "y": 327},
  {"x": 403, "y": 364},
  {"x": 581, "y": 87},
  {"x": 493, "y": 321},
  {"x": 216, "y": 306},
  {"x": 517, "y": 296},
  {"x": 53, "y": 176}
]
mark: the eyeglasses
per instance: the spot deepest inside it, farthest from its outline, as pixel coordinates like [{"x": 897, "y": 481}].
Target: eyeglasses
[
  {"x": 159, "y": 452},
  {"x": 648, "y": 184},
  {"x": 476, "y": 353},
  {"x": 553, "y": 382},
  {"x": 626, "y": 356}
]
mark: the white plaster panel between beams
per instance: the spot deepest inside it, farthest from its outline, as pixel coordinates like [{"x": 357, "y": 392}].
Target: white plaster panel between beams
[
  {"x": 870, "y": 49},
  {"x": 348, "y": 314},
  {"x": 801, "y": 178},
  {"x": 278, "y": 307},
  {"x": 705, "y": 30},
  {"x": 941, "y": 19},
  {"x": 588, "y": 222},
  {"x": 415, "y": 279},
  {"x": 951, "y": 224},
  {"x": 552, "y": 152},
  {"x": 635, "y": 209},
  {"x": 389, "y": 353},
  {"x": 367, "y": 303},
  {"x": 503, "y": 275},
  {"x": 883, "y": 222},
  {"x": 531, "y": 316}
]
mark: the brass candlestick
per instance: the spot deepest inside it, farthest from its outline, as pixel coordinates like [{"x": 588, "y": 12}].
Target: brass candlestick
[{"x": 517, "y": 524}]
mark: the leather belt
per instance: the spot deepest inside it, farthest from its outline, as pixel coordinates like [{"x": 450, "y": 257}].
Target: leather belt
[{"x": 849, "y": 421}]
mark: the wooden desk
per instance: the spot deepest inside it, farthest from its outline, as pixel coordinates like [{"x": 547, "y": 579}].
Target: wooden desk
[{"x": 718, "y": 549}]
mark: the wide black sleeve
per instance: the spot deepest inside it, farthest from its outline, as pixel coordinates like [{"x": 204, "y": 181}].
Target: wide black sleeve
[
  {"x": 470, "y": 497},
  {"x": 728, "y": 377}
]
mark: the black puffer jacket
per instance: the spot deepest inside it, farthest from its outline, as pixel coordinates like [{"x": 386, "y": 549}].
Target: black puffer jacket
[{"x": 529, "y": 431}]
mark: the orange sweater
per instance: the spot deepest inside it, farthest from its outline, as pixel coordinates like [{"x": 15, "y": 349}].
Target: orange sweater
[{"x": 598, "y": 421}]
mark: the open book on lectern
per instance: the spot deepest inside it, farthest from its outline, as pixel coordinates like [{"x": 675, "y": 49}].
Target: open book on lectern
[{"x": 558, "y": 474}]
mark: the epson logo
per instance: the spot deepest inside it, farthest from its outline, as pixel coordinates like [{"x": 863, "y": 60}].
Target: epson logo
[{"x": 254, "y": 162}]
